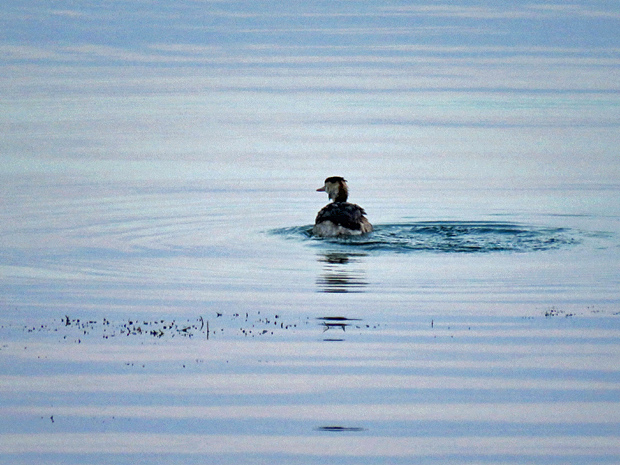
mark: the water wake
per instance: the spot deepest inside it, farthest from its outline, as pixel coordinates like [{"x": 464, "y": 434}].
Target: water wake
[{"x": 447, "y": 237}]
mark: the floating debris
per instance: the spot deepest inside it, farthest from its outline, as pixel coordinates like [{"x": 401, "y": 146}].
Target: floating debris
[
  {"x": 340, "y": 429},
  {"x": 341, "y": 322},
  {"x": 228, "y": 325},
  {"x": 554, "y": 311},
  {"x": 137, "y": 327}
]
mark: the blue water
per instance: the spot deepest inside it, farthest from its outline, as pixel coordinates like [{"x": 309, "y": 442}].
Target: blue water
[
  {"x": 162, "y": 298},
  {"x": 204, "y": 322}
]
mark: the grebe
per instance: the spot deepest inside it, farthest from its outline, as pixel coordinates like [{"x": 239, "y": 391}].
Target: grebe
[{"x": 340, "y": 218}]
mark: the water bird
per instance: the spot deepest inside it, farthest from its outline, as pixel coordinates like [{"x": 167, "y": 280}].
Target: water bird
[{"x": 340, "y": 218}]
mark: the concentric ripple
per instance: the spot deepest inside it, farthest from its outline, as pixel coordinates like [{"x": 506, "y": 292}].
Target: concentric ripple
[{"x": 449, "y": 237}]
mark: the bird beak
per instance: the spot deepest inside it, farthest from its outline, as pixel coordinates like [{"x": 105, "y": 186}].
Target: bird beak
[{"x": 321, "y": 189}]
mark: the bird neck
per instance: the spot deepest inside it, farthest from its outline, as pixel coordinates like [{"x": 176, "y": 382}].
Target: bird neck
[
  {"x": 341, "y": 196},
  {"x": 337, "y": 191}
]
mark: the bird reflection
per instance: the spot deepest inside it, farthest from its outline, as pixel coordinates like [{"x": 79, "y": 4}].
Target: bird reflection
[{"x": 341, "y": 273}]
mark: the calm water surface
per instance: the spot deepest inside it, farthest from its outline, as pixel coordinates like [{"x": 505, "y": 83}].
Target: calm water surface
[{"x": 172, "y": 307}]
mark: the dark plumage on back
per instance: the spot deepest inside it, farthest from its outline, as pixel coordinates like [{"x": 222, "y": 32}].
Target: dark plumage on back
[{"x": 344, "y": 214}]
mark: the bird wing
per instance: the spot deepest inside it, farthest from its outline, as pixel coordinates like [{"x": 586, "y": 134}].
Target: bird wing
[{"x": 348, "y": 215}]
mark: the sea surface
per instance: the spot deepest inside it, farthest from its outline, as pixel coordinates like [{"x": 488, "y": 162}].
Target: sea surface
[{"x": 164, "y": 301}]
